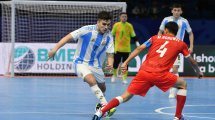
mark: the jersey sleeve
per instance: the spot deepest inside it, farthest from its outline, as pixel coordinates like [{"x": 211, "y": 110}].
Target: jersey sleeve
[
  {"x": 188, "y": 28},
  {"x": 110, "y": 46},
  {"x": 77, "y": 33},
  {"x": 164, "y": 21},
  {"x": 132, "y": 32},
  {"x": 148, "y": 43},
  {"x": 185, "y": 50}
]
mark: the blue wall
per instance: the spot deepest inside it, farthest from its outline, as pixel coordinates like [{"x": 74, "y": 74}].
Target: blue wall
[{"x": 203, "y": 30}]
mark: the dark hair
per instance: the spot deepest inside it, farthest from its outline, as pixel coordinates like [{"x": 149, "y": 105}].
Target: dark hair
[
  {"x": 104, "y": 15},
  {"x": 122, "y": 13},
  {"x": 172, "y": 27},
  {"x": 176, "y": 5}
]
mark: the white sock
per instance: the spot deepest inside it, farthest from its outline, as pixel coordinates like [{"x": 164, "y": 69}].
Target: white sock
[
  {"x": 120, "y": 99},
  {"x": 98, "y": 93},
  {"x": 182, "y": 92}
]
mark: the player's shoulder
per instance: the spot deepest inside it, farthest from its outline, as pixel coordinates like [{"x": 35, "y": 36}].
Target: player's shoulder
[
  {"x": 183, "y": 19},
  {"x": 117, "y": 23},
  {"x": 182, "y": 43},
  {"x": 88, "y": 27},
  {"x": 156, "y": 36},
  {"x": 129, "y": 24},
  {"x": 168, "y": 18}
]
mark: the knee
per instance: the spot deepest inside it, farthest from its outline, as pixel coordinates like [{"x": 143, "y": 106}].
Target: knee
[
  {"x": 184, "y": 85},
  {"x": 103, "y": 88}
]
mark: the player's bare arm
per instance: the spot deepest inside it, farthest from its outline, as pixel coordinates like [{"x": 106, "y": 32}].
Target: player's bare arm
[
  {"x": 137, "y": 51},
  {"x": 110, "y": 61},
  {"x": 195, "y": 67},
  {"x": 160, "y": 32},
  {"x": 61, "y": 43},
  {"x": 191, "y": 38}
]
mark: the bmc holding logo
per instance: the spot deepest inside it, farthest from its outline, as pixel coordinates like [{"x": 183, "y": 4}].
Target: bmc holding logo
[{"x": 24, "y": 58}]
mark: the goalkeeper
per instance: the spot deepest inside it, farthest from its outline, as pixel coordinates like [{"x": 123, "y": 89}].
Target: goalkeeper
[
  {"x": 94, "y": 43},
  {"x": 122, "y": 31}
]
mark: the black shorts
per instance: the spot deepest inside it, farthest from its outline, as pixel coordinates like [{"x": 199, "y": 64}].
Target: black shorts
[{"x": 118, "y": 57}]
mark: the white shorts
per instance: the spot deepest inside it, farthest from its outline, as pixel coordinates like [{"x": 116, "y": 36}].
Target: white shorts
[
  {"x": 178, "y": 60},
  {"x": 82, "y": 70}
]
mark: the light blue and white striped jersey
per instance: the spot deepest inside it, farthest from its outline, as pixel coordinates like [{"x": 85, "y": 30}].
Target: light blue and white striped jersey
[
  {"x": 92, "y": 46},
  {"x": 183, "y": 25}
]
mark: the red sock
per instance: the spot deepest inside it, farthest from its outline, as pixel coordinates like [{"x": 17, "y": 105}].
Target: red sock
[
  {"x": 113, "y": 103},
  {"x": 180, "y": 105}
]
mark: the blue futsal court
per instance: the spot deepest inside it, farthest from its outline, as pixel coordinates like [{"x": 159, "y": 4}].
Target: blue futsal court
[{"x": 52, "y": 98}]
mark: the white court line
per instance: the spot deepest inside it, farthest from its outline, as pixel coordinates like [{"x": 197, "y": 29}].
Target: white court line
[
  {"x": 159, "y": 110},
  {"x": 65, "y": 113}
]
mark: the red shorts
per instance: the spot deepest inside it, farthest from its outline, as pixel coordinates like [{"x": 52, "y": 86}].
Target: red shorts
[{"x": 144, "y": 80}]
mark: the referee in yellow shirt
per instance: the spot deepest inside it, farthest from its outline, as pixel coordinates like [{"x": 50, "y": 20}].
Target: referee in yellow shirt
[{"x": 123, "y": 32}]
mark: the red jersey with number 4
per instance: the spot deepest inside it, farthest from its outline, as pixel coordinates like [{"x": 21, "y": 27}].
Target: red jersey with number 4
[{"x": 162, "y": 53}]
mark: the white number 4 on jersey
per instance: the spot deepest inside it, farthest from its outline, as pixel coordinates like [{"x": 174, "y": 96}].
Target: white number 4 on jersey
[{"x": 162, "y": 50}]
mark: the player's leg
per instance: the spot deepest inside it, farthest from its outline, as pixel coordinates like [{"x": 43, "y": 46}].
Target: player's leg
[
  {"x": 181, "y": 97},
  {"x": 173, "y": 91},
  {"x": 99, "y": 75},
  {"x": 138, "y": 86},
  {"x": 117, "y": 60},
  {"x": 91, "y": 80},
  {"x": 112, "y": 104},
  {"x": 167, "y": 80},
  {"x": 125, "y": 74},
  {"x": 86, "y": 73}
]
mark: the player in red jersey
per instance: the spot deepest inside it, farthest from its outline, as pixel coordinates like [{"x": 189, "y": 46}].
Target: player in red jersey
[{"x": 155, "y": 70}]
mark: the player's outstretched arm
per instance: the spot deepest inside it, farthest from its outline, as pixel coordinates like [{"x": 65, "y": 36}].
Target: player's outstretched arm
[
  {"x": 195, "y": 67},
  {"x": 131, "y": 56},
  {"x": 61, "y": 43},
  {"x": 191, "y": 38}
]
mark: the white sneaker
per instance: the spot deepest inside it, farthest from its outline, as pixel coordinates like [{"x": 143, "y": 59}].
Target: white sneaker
[
  {"x": 124, "y": 81},
  {"x": 113, "y": 79},
  {"x": 182, "y": 118},
  {"x": 175, "y": 118}
]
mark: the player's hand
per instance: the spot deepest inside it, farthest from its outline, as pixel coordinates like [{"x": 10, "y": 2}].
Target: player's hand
[
  {"x": 137, "y": 43},
  {"x": 200, "y": 75},
  {"x": 191, "y": 49},
  {"x": 51, "y": 54},
  {"x": 124, "y": 67}
]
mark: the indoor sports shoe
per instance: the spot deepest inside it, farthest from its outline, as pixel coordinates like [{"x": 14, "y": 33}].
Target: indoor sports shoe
[
  {"x": 98, "y": 106},
  {"x": 124, "y": 81},
  {"x": 113, "y": 79},
  {"x": 182, "y": 118},
  {"x": 111, "y": 112},
  {"x": 95, "y": 117}
]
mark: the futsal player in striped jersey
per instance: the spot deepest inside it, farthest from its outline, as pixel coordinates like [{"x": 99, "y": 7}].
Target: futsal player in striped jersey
[
  {"x": 183, "y": 26},
  {"x": 95, "y": 42},
  {"x": 163, "y": 50}
]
